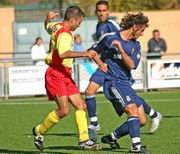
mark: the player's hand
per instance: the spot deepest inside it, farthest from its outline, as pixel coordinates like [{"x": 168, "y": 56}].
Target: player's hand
[
  {"x": 103, "y": 67},
  {"x": 90, "y": 53},
  {"x": 118, "y": 45},
  {"x": 52, "y": 15}
]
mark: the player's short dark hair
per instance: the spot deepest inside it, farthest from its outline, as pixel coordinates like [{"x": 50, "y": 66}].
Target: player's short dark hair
[
  {"x": 155, "y": 31},
  {"x": 102, "y": 3},
  {"x": 73, "y": 12},
  {"x": 134, "y": 19}
]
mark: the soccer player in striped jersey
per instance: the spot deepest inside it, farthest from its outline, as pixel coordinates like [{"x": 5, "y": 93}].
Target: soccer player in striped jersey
[{"x": 59, "y": 84}]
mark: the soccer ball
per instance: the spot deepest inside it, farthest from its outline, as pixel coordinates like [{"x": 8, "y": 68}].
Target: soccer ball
[{"x": 92, "y": 135}]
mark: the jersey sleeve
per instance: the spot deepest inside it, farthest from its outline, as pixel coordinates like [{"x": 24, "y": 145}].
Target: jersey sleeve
[
  {"x": 104, "y": 42},
  {"x": 107, "y": 27},
  {"x": 99, "y": 45},
  {"x": 113, "y": 26},
  {"x": 49, "y": 27},
  {"x": 64, "y": 42},
  {"x": 136, "y": 55}
]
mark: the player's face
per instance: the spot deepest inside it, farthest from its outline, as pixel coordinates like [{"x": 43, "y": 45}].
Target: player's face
[
  {"x": 102, "y": 12},
  {"x": 75, "y": 23},
  {"x": 138, "y": 31},
  {"x": 156, "y": 35}
]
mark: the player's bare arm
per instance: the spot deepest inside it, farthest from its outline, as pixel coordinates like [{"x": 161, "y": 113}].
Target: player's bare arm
[
  {"x": 70, "y": 54},
  {"x": 127, "y": 60},
  {"x": 102, "y": 66}
]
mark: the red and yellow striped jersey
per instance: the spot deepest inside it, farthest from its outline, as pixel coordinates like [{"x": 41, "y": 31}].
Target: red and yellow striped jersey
[{"x": 61, "y": 41}]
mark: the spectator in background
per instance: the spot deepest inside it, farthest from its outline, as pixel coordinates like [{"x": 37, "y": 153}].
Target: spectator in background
[
  {"x": 77, "y": 43},
  {"x": 38, "y": 52},
  {"x": 156, "y": 45},
  {"x": 78, "y": 47}
]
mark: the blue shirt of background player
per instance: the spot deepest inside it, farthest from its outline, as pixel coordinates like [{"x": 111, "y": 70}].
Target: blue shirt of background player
[
  {"x": 111, "y": 55},
  {"x": 106, "y": 27}
]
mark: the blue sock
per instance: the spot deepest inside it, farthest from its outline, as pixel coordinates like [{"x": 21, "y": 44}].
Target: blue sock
[
  {"x": 147, "y": 109},
  {"x": 153, "y": 114},
  {"x": 121, "y": 131},
  {"x": 134, "y": 131},
  {"x": 91, "y": 107}
]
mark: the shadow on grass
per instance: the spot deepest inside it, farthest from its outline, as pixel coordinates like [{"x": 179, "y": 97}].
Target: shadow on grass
[
  {"x": 60, "y": 134},
  {"x": 6, "y": 151},
  {"x": 171, "y": 116},
  {"x": 65, "y": 134},
  {"x": 122, "y": 150},
  {"x": 147, "y": 133}
]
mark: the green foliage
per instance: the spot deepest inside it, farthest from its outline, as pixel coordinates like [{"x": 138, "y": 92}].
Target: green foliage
[
  {"x": 4, "y": 2},
  {"x": 131, "y": 5},
  {"x": 115, "y": 5}
]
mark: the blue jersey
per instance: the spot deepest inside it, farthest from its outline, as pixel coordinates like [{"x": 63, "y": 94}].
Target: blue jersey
[
  {"x": 112, "y": 56},
  {"x": 106, "y": 27}
]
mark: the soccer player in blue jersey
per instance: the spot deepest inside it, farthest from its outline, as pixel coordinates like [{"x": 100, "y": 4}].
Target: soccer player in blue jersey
[
  {"x": 121, "y": 53},
  {"x": 103, "y": 27}
]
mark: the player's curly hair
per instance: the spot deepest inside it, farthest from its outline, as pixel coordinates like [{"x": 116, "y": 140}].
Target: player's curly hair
[{"x": 133, "y": 19}]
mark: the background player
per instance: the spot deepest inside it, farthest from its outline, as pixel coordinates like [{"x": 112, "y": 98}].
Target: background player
[
  {"x": 58, "y": 81},
  {"x": 106, "y": 26}
]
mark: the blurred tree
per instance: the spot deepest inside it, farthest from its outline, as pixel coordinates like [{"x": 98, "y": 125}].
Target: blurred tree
[
  {"x": 115, "y": 5},
  {"x": 131, "y": 5},
  {"x": 4, "y": 2}
]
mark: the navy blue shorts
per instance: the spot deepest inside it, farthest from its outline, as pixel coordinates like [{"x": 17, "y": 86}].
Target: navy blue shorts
[
  {"x": 121, "y": 94},
  {"x": 98, "y": 77}
]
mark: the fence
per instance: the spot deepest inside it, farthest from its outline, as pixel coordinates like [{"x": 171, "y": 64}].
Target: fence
[{"x": 23, "y": 78}]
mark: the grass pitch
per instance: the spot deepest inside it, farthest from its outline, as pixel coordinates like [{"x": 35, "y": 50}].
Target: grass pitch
[{"x": 18, "y": 116}]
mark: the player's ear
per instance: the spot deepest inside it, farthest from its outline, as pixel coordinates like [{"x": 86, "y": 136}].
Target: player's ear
[
  {"x": 134, "y": 28},
  {"x": 72, "y": 20}
]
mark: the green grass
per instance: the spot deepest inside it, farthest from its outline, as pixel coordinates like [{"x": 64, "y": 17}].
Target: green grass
[{"x": 18, "y": 116}]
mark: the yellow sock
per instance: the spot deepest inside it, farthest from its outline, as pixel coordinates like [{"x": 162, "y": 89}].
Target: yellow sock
[
  {"x": 48, "y": 123},
  {"x": 81, "y": 121}
]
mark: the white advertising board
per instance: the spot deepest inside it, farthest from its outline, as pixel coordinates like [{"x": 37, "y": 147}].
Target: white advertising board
[
  {"x": 163, "y": 73},
  {"x": 87, "y": 69},
  {"x": 27, "y": 80},
  {"x": 85, "y": 72},
  {"x": 137, "y": 76}
]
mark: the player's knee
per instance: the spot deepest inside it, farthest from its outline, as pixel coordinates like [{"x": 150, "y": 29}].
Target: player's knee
[
  {"x": 132, "y": 110},
  {"x": 89, "y": 92},
  {"x": 81, "y": 106}
]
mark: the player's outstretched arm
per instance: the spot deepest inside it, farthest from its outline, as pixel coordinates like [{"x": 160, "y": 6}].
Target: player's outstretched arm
[
  {"x": 126, "y": 59},
  {"x": 74, "y": 54}
]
